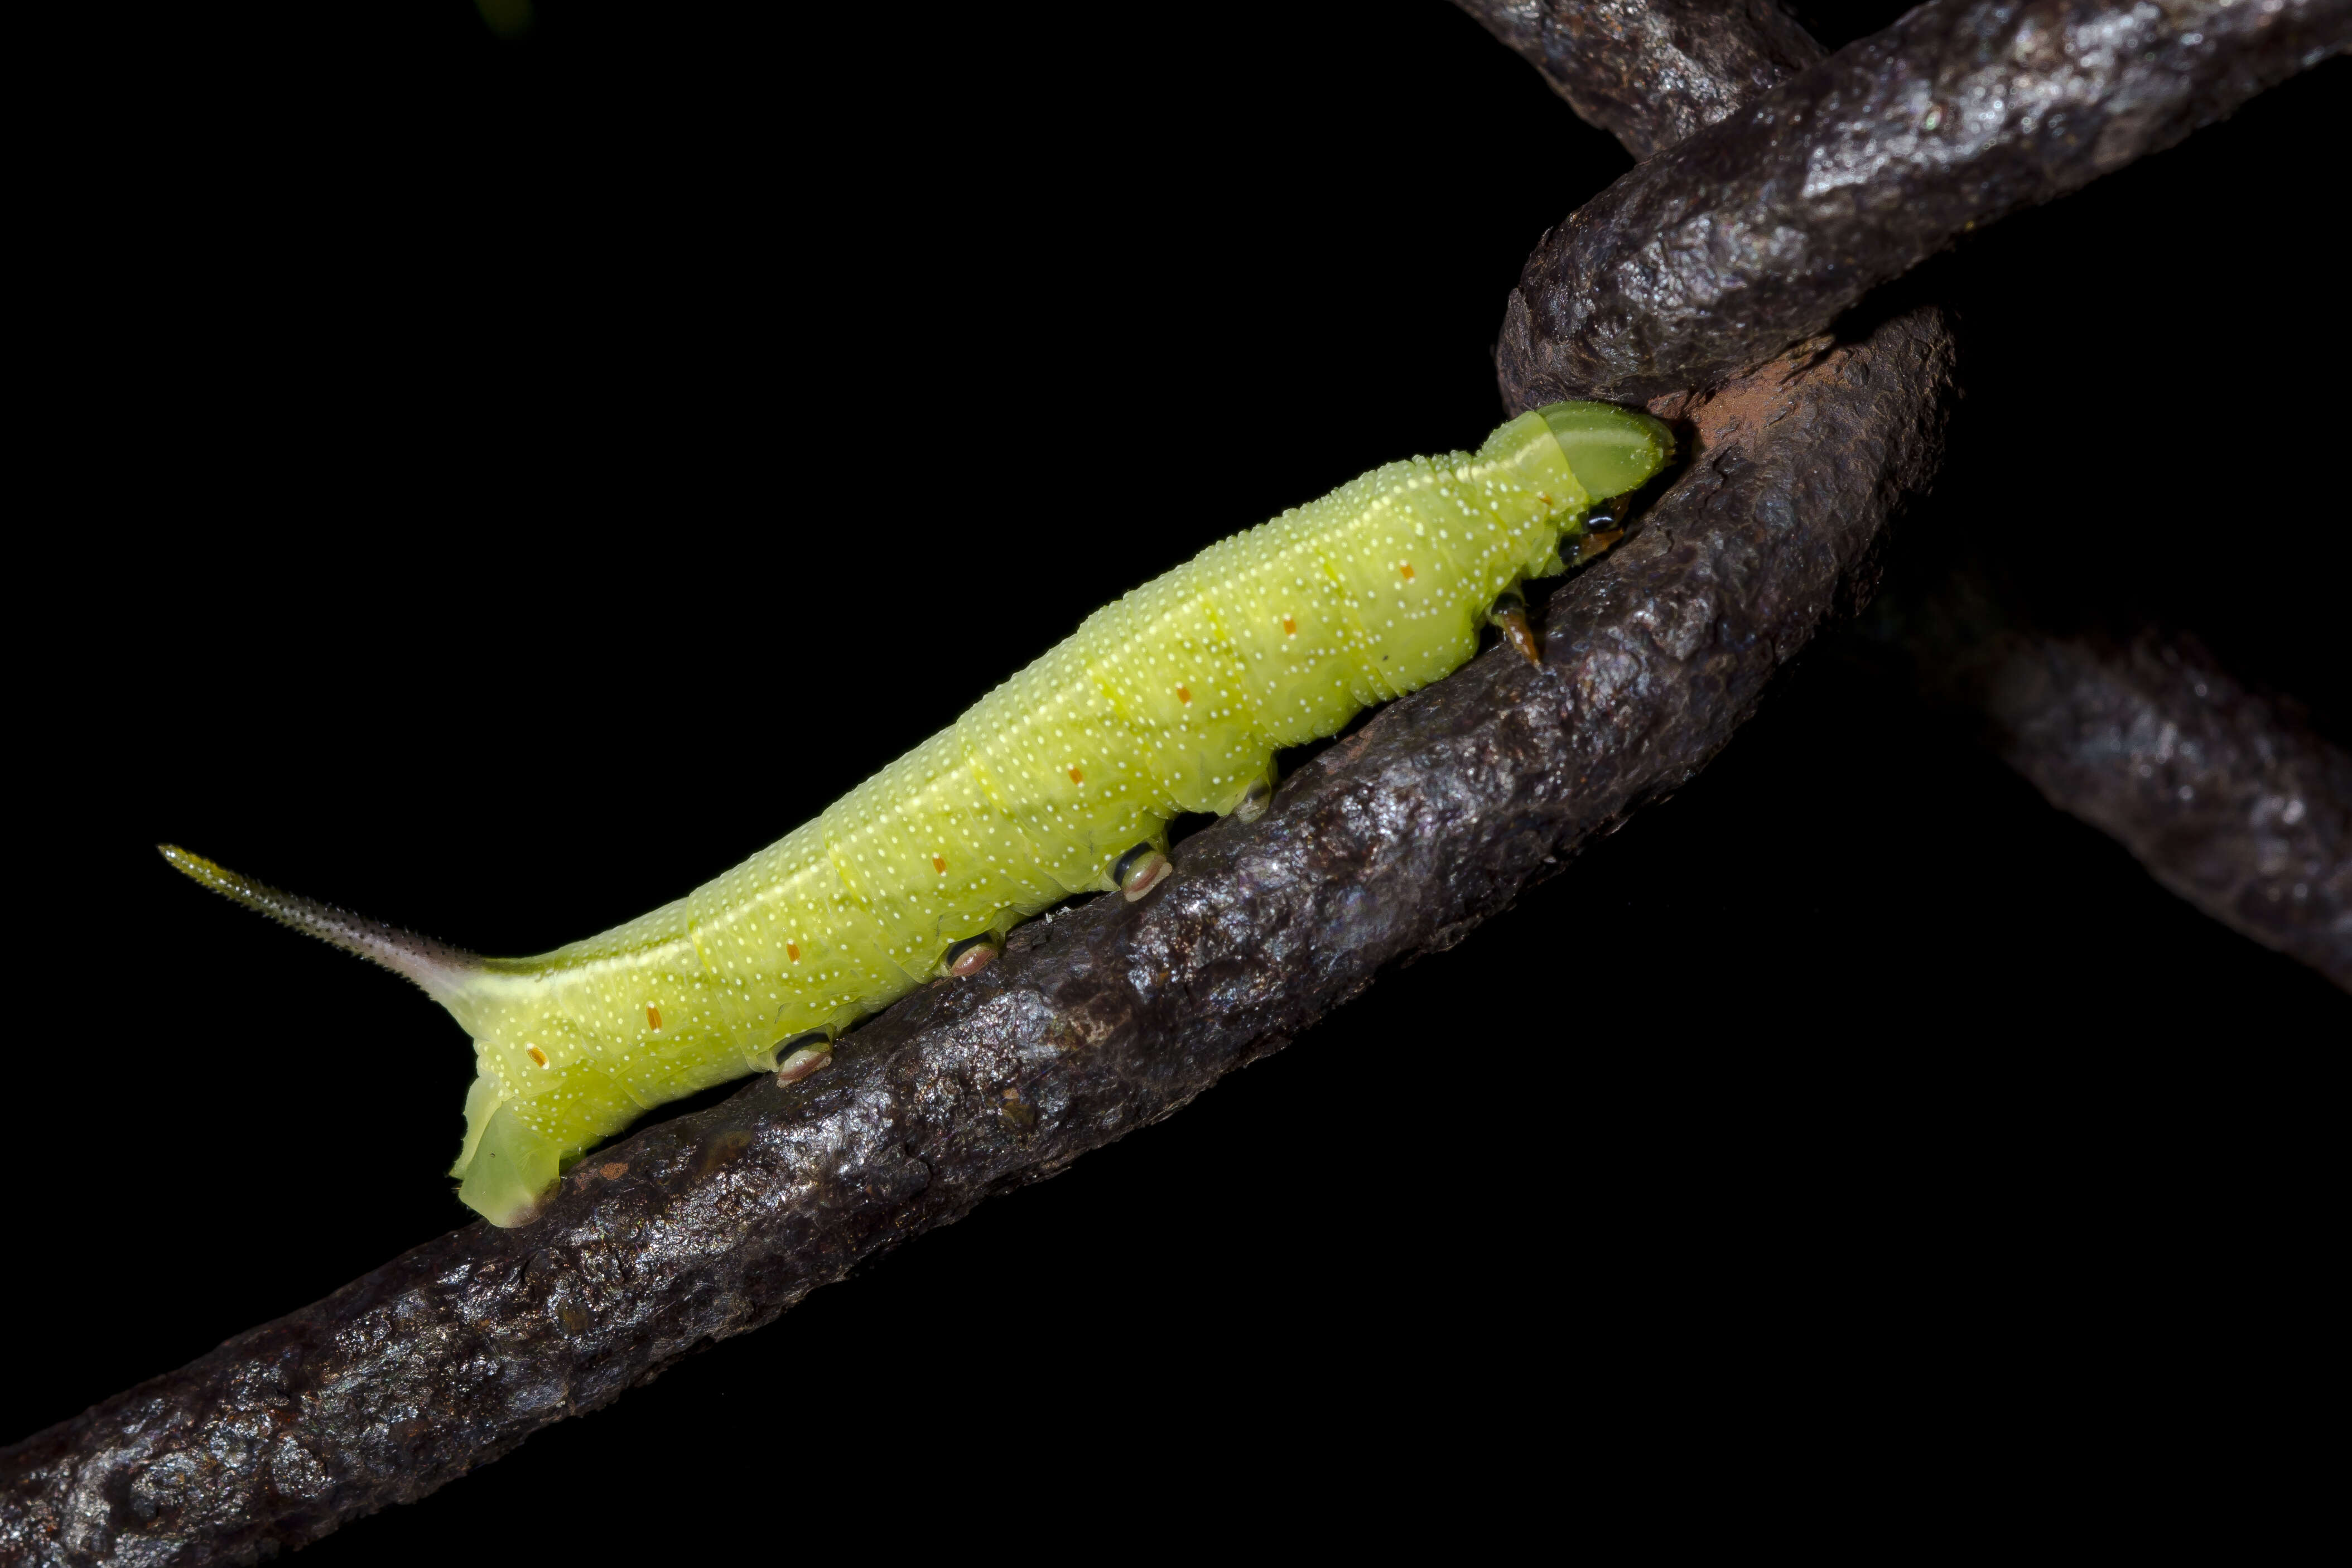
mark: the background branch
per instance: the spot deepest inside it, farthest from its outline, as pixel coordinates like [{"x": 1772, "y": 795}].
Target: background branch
[
  {"x": 1766, "y": 226},
  {"x": 2229, "y": 798},
  {"x": 1652, "y": 72},
  {"x": 2223, "y": 792}
]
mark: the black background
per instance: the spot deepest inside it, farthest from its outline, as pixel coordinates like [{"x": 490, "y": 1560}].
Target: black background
[{"x": 503, "y": 484}]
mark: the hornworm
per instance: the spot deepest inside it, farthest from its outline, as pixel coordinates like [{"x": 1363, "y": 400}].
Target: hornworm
[{"x": 1061, "y": 780}]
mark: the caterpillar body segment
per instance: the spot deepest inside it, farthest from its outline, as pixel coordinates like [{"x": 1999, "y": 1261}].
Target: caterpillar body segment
[{"x": 1063, "y": 779}]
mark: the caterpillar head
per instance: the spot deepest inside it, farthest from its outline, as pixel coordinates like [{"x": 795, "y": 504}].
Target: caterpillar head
[{"x": 1610, "y": 450}]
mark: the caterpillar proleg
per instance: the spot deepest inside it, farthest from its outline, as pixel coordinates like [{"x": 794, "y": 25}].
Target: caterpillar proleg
[{"x": 1062, "y": 780}]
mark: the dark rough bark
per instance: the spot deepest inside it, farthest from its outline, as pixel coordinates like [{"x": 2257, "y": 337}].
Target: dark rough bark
[
  {"x": 1653, "y": 72},
  {"x": 2225, "y": 794},
  {"x": 1764, "y": 227},
  {"x": 2226, "y": 797},
  {"x": 1395, "y": 842}
]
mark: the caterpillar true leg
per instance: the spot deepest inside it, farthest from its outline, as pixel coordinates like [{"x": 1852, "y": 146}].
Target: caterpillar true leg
[
  {"x": 1510, "y": 614},
  {"x": 1603, "y": 526},
  {"x": 1595, "y": 544}
]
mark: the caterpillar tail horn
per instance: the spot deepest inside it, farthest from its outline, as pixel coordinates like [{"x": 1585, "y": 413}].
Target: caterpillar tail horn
[
  {"x": 505, "y": 1167},
  {"x": 441, "y": 969}
]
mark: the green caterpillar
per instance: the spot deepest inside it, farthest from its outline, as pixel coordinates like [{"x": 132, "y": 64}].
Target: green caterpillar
[{"x": 1063, "y": 779}]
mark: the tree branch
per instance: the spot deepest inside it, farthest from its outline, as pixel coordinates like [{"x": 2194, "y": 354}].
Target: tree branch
[
  {"x": 1653, "y": 72},
  {"x": 2226, "y": 795},
  {"x": 1393, "y": 843},
  {"x": 1766, "y": 225}
]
